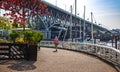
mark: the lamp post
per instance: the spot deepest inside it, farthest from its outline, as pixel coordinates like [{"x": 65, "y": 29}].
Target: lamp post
[
  {"x": 92, "y": 27},
  {"x": 80, "y": 29},
  {"x": 71, "y": 37},
  {"x": 75, "y": 7},
  {"x": 84, "y": 25}
]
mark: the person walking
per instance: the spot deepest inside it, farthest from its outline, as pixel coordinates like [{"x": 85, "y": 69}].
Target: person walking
[{"x": 56, "y": 42}]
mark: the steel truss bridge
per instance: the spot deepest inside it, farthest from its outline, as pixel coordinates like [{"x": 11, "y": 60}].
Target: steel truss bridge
[{"x": 57, "y": 23}]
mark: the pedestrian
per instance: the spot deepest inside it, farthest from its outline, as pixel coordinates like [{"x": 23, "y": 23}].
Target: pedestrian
[{"x": 56, "y": 42}]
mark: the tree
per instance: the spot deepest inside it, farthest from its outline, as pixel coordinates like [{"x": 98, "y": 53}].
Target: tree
[
  {"x": 5, "y": 23},
  {"x": 20, "y": 10}
]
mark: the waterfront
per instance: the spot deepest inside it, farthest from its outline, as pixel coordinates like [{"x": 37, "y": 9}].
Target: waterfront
[{"x": 61, "y": 61}]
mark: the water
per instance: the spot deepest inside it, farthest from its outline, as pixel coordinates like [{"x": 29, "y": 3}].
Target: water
[{"x": 110, "y": 45}]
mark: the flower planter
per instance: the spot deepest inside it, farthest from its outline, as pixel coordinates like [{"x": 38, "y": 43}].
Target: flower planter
[
  {"x": 31, "y": 38},
  {"x": 32, "y": 53}
]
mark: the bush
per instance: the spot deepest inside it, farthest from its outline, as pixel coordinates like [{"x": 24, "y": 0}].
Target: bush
[
  {"x": 29, "y": 36},
  {"x": 14, "y": 35},
  {"x": 32, "y": 37}
]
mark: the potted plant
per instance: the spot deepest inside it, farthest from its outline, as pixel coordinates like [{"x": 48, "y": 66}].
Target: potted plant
[
  {"x": 29, "y": 37},
  {"x": 32, "y": 38}
]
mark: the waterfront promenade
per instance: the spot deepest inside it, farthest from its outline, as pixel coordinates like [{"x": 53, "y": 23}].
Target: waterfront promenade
[{"x": 61, "y": 61}]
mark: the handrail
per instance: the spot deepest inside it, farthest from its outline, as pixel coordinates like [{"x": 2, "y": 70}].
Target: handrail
[{"x": 107, "y": 53}]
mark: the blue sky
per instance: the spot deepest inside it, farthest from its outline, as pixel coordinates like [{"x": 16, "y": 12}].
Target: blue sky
[{"x": 106, "y": 12}]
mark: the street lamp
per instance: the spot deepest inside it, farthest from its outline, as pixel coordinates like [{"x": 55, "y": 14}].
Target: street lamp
[{"x": 92, "y": 26}]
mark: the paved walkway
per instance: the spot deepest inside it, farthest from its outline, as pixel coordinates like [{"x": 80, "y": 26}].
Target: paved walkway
[{"x": 61, "y": 61}]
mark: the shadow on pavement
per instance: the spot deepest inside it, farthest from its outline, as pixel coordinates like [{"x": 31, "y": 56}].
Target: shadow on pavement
[
  {"x": 23, "y": 66},
  {"x": 19, "y": 65}
]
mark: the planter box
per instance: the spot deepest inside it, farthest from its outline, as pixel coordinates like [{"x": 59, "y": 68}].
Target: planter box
[{"x": 32, "y": 53}]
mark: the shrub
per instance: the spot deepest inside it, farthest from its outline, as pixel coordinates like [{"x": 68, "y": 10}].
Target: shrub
[
  {"x": 13, "y": 35},
  {"x": 32, "y": 37},
  {"x": 28, "y": 36}
]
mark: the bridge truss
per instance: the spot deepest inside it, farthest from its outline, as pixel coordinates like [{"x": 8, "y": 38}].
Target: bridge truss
[{"x": 57, "y": 23}]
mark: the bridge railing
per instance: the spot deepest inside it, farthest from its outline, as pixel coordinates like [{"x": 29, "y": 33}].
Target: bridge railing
[{"x": 107, "y": 53}]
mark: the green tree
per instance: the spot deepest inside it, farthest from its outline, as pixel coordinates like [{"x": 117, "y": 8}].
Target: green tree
[{"x": 5, "y": 23}]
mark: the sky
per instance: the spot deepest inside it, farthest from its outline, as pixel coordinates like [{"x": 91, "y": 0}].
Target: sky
[{"x": 105, "y": 12}]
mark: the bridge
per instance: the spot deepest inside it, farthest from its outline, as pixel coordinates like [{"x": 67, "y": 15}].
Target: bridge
[{"x": 61, "y": 23}]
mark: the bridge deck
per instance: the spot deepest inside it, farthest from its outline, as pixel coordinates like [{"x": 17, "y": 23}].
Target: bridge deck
[{"x": 61, "y": 61}]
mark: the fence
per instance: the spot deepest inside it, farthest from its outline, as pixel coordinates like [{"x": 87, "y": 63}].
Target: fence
[{"x": 13, "y": 51}]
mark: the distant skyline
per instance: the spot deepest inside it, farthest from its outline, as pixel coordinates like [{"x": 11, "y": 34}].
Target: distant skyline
[{"x": 106, "y": 12}]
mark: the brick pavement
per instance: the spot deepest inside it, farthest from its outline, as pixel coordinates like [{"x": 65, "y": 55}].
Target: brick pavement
[{"x": 61, "y": 61}]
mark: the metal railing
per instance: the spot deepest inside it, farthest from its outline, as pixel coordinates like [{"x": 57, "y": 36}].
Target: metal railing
[{"x": 107, "y": 53}]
